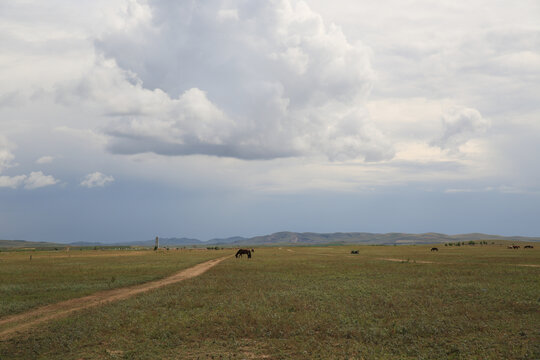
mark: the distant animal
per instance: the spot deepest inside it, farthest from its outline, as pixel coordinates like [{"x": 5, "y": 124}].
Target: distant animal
[
  {"x": 252, "y": 250},
  {"x": 509, "y": 247},
  {"x": 354, "y": 252},
  {"x": 242, "y": 252},
  {"x": 528, "y": 247},
  {"x": 434, "y": 249},
  {"x": 516, "y": 246}
]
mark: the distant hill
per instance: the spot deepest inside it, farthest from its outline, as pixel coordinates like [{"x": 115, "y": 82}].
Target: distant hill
[
  {"x": 168, "y": 242},
  {"x": 183, "y": 242},
  {"x": 190, "y": 242},
  {"x": 230, "y": 240},
  {"x": 28, "y": 244},
  {"x": 85, "y": 243},
  {"x": 309, "y": 238},
  {"x": 291, "y": 238}
]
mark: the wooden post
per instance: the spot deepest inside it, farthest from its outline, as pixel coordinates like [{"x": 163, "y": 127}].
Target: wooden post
[{"x": 157, "y": 244}]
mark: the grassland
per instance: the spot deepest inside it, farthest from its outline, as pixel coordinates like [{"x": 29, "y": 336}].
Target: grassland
[
  {"x": 52, "y": 276},
  {"x": 388, "y": 302}
]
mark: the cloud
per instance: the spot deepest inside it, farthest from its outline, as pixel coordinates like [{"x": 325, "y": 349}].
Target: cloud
[
  {"x": 227, "y": 14},
  {"x": 5, "y": 159},
  {"x": 12, "y": 181},
  {"x": 460, "y": 124},
  {"x": 235, "y": 79},
  {"x": 37, "y": 179},
  {"x": 503, "y": 189},
  {"x": 33, "y": 181},
  {"x": 45, "y": 160},
  {"x": 96, "y": 179}
]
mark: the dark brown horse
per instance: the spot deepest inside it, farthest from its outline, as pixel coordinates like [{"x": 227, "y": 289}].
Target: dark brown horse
[
  {"x": 528, "y": 247},
  {"x": 434, "y": 249},
  {"x": 242, "y": 252}
]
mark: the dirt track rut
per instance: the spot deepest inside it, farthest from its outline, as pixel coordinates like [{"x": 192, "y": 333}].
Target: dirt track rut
[{"x": 27, "y": 320}]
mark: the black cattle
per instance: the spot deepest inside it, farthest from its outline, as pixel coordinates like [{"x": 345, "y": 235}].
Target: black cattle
[{"x": 434, "y": 249}]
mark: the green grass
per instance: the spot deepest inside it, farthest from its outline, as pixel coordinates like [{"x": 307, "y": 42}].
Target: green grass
[
  {"x": 309, "y": 303},
  {"x": 53, "y": 276}
]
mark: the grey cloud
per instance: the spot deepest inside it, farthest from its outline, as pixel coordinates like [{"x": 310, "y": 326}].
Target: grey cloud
[
  {"x": 490, "y": 62},
  {"x": 126, "y": 146},
  {"x": 459, "y": 126},
  {"x": 12, "y": 98},
  {"x": 412, "y": 167},
  {"x": 45, "y": 159},
  {"x": 503, "y": 52}
]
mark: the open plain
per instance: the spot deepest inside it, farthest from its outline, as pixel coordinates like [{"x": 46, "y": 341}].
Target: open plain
[{"x": 388, "y": 302}]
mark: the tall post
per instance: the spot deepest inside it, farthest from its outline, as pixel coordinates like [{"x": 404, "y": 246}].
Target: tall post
[{"x": 157, "y": 243}]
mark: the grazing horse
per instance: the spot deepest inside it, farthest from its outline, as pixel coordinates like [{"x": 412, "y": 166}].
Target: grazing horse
[
  {"x": 242, "y": 252},
  {"x": 516, "y": 246},
  {"x": 528, "y": 247},
  {"x": 509, "y": 247},
  {"x": 252, "y": 250},
  {"x": 434, "y": 249},
  {"x": 354, "y": 251}
]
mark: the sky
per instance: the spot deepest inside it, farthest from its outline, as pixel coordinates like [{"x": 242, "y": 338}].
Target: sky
[{"x": 121, "y": 120}]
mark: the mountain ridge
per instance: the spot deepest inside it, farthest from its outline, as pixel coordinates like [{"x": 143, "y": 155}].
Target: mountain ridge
[{"x": 291, "y": 238}]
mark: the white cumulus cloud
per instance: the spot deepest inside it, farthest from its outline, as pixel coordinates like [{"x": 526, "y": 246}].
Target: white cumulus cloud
[
  {"x": 251, "y": 80},
  {"x": 6, "y": 156},
  {"x": 12, "y": 181},
  {"x": 37, "y": 179},
  {"x": 96, "y": 179},
  {"x": 5, "y": 159}
]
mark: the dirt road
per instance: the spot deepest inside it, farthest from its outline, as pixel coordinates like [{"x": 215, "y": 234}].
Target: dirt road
[{"x": 22, "y": 322}]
